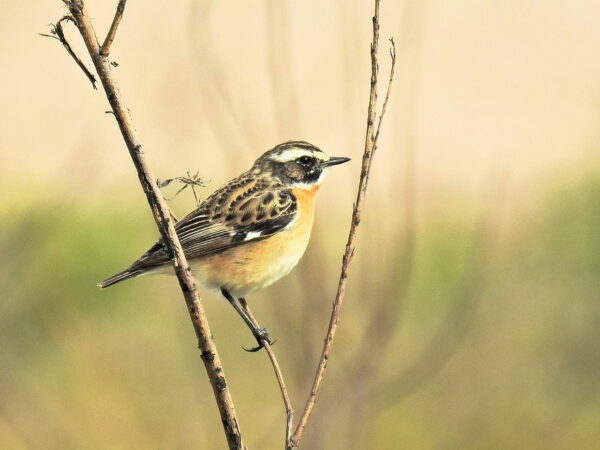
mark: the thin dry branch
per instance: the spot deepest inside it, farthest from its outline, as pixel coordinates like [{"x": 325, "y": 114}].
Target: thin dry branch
[
  {"x": 389, "y": 88},
  {"x": 360, "y": 373},
  {"x": 160, "y": 211},
  {"x": 289, "y": 411},
  {"x": 110, "y": 37},
  {"x": 372, "y": 134},
  {"x": 58, "y": 34}
]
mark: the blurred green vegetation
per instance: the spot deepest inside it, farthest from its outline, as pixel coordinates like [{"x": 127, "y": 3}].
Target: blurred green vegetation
[{"x": 510, "y": 363}]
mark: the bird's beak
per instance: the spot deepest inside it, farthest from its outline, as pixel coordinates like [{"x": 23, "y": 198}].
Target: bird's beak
[{"x": 335, "y": 160}]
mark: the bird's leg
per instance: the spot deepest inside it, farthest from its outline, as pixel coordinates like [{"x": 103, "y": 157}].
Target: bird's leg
[
  {"x": 260, "y": 334},
  {"x": 267, "y": 339}
]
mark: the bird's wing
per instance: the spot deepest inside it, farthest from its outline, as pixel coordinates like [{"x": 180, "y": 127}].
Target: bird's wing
[{"x": 230, "y": 217}]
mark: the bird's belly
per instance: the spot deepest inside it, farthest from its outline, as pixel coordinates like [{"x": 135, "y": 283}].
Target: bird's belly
[{"x": 254, "y": 265}]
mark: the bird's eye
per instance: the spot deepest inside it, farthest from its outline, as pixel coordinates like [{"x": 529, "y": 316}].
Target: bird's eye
[{"x": 305, "y": 160}]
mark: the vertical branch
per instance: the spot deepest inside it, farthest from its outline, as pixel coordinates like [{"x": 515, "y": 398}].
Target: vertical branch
[
  {"x": 160, "y": 210},
  {"x": 372, "y": 134}
]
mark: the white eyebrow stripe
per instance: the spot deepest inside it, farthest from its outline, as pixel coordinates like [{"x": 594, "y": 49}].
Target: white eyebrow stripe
[{"x": 294, "y": 153}]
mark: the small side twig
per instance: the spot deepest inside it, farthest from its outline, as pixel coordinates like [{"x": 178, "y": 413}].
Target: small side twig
[
  {"x": 191, "y": 181},
  {"x": 372, "y": 134},
  {"x": 389, "y": 87},
  {"x": 110, "y": 37},
  {"x": 289, "y": 411},
  {"x": 58, "y": 33}
]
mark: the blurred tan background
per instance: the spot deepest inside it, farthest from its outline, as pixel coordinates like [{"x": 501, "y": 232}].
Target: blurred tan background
[{"x": 473, "y": 313}]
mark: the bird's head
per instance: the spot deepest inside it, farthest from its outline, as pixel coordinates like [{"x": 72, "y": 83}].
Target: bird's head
[{"x": 297, "y": 164}]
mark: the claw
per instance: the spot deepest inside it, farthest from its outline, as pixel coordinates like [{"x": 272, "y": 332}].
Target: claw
[
  {"x": 261, "y": 336},
  {"x": 253, "y": 349}
]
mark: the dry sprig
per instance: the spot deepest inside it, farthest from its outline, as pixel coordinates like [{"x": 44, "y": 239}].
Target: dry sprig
[
  {"x": 191, "y": 181},
  {"x": 57, "y": 32}
]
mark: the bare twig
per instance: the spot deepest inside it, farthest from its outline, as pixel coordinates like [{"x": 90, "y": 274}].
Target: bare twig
[
  {"x": 359, "y": 372},
  {"x": 110, "y": 37},
  {"x": 160, "y": 210},
  {"x": 289, "y": 411},
  {"x": 389, "y": 88},
  {"x": 370, "y": 147},
  {"x": 192, "y": 181},
  {"x": 58, "y": 34}
]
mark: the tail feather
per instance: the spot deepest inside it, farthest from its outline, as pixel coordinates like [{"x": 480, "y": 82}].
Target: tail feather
[{"x": 121, "y": 276}]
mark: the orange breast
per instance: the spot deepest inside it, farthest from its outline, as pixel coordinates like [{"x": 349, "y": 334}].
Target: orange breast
[
  {"x": 255, "y": 265},
  {"x": 306, "y": 198}
]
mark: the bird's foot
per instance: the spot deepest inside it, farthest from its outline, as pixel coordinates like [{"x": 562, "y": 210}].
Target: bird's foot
[{"x": 262, "y": 336}]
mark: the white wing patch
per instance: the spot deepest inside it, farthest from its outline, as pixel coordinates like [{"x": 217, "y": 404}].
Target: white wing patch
[{"x": 252, "y": 235}]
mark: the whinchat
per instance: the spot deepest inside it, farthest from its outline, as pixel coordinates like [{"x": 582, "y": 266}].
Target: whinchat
[{"x": 250, "y": 232}]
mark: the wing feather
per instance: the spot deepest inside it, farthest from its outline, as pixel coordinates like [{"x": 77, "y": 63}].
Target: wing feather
[{"x": 243, "y": 211}]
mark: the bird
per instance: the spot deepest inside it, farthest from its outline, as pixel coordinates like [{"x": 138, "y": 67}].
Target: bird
[{"x": 250, "y": 232}]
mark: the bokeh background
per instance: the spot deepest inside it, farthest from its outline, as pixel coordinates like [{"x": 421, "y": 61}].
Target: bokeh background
[{"x": 472, "y": 318}]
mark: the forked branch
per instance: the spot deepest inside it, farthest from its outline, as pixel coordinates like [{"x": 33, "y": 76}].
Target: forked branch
[
  {"x": 372, "y": 135},
  {"x": 160, "y": 210}
]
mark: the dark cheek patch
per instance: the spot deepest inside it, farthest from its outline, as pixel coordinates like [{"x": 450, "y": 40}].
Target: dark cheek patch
[
  {"x": 296, "y": 175},
  {"x": 294, "y": 171}
]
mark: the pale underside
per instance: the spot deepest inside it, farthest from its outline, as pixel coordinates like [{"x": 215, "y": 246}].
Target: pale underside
[
  {"x": 256, "y": 263},
  {"x": 252, "y": 266}
]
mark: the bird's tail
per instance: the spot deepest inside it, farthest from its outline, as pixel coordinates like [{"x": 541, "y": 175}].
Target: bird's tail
[{"x": 121, "y": 276}]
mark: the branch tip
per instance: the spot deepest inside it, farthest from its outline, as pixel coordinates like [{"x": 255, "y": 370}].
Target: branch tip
[
  {"x": 110, "y": 37},
  {"x": 57, "y": 33}
]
